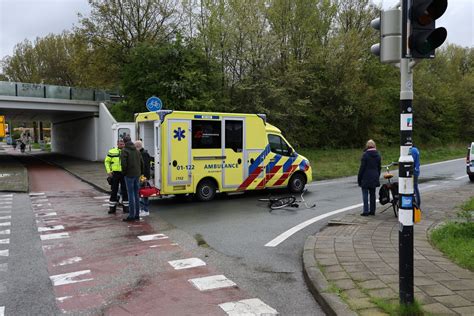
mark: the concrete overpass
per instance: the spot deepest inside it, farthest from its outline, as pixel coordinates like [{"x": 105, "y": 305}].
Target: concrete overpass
[{"x": 81, "y": 124}]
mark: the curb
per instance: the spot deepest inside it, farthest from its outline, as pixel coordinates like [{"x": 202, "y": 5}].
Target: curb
[{"x": 330, "y": 303}]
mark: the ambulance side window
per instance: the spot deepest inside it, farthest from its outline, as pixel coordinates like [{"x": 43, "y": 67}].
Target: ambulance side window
[
  {"x": 206, "y": 134},
  {"x": 122, "y": 132},
  {"x": 234, "y": 135},
  {"x": 278, "y": 145}
]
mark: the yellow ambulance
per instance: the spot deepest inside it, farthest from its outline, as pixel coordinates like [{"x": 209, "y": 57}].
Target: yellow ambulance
[{"x": 202, "y": 153}]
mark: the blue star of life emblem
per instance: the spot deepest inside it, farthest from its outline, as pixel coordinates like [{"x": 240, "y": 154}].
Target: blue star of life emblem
[{"x": 179, "y": 134}]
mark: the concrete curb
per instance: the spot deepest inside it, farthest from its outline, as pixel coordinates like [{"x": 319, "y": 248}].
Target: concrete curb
[{"x": 330, "y": 303}]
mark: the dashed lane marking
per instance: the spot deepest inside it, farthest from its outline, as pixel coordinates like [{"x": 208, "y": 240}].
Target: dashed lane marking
[
  {"x": 8, "y": 206},
  {"x": 5, "y": 232},
  {"x": 187, "y": 263},
  {"x": 54, "y": 236},
  {"x": 4, "y": 253},
  {"x": 3, "y": 267},
  {"x": 36, "y": 193},
  {"x": 152, "y": 237},
  {"x": 50, "y": 228},
  {"x": 5, "y": 217},
  {"x": 46, "y": 214},
  {"x": 252, "y": 306},
  {"x": 2, "y": 310},
  {"x": 212, "y": 282},
  {"x": 101, "y": 197},
  {"x": 69, "y": 278},
  {"x": 459, "y": 178},
  {"x": 40, "y": 201},
  {"x": 5, "y": 241},
  {"x": 69, "y": 261},
  {"x": 6, "y": 224},
  {"x": 63, "y": 298}
]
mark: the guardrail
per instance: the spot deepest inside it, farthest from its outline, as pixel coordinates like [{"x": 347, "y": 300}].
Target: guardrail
[{"x": 19, "y": 89}]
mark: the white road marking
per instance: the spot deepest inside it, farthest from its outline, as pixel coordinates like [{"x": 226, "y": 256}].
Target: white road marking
[
  {"x": 459, "y": 178},
  {"x": 7, "y": 206},
  {"x": 50, "y": 228},
  {"x": 106, "y": 204},
  {"x": 282, "y": 237},
  {"x": 428, "y": 186},
  {"x": 40, "y": 205},
  {"x": 40, "y": 200},
  {"x": 5, "y": 232},
  {"x": 212, "y": 282},
  {"x": 2, "y": 310},
  {"x": 54, "y": 236},
  {"x": 441, "y": 162},
  {"x": 46, "y": 221},
  {"x": 6, "y": 224},
  {"x": 6, "y": 195},
  {"x": 152, "y": 237},
  {"x": 36, "y": 193},
  {"x": 5, "y": 241},
  {"x": 5, "y": 217},
  {"x": 3, "y": 267},
  {"x": 63, "y": 298},
  {"x": 252, "y": 306},
  {"x": 4, "y": 253},
  {"x": 69, "y": 261},
  {"x": 46, "y": 214},
  {"x": 6, "y": 199},
  {"x": 187, "y": 263},
  {"x": 102, "y": 197},
  {"x": 49, "y": 247},
  {"x": 69, "y": 278}
]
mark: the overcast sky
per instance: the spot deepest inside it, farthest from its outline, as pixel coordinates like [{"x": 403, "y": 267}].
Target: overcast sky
[{"x": 20, "y": 19}]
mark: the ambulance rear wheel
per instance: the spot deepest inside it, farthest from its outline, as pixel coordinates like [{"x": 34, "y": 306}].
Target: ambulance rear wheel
[
  {"x": 297, "y": 183},
  {"x": 206, "y": 190}
]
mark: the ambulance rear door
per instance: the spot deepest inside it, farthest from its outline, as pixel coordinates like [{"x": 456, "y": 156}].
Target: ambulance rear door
[
  {"x": 120, "y": 130},
  {"x": 233, "y": 152},
  {"x": 157, "y": 154},
  {"x": 179, "y": 153}
]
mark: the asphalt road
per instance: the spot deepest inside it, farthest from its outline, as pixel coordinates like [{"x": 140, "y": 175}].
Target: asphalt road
[{"x": 237, "y": 228}]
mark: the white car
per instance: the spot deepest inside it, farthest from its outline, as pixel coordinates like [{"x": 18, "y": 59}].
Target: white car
[{"x": 470, "y": 162}]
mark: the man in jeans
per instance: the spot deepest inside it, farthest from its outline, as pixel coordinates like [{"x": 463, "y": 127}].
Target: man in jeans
[
  {"x": 144, "y": 202},
  {"x": 132, "y": 169}
]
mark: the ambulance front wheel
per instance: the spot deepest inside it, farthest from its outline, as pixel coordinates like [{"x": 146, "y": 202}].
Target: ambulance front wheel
[
  {"x": 297, "y": 183},
  {"x": 206, "y": 190}
]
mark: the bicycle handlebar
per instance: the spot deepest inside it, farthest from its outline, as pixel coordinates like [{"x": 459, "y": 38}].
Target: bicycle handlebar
[{"x": 394, "y": 163}]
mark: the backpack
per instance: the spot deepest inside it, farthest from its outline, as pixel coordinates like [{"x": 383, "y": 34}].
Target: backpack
[{"x": 384, "y": 194}]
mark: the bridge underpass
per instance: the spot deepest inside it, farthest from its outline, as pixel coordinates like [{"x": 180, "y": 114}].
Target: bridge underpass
[{"x": 80, "y": 127}]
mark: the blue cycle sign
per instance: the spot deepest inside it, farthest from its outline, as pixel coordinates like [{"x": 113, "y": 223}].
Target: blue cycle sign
[{"x": 154, "y": 104}]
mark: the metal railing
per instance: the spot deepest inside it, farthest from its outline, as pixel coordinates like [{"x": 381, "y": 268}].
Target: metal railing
[{"x": 19, "y": 89}]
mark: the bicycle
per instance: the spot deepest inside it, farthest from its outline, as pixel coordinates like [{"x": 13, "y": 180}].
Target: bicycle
[
  {"x": 286, "y": 201},
  {"x": 392, "y": 188}
]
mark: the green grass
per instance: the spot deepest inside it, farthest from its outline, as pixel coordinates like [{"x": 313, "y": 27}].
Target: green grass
[
  {"x": 456, "y": 239},
  {"x": 395, "y": 309},
  {"x": 37, "y": 146},
  {"x": 335, "y": 163}
]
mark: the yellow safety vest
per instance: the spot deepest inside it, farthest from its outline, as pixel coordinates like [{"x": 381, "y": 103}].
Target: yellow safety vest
[{"x": 112, "y": 161}]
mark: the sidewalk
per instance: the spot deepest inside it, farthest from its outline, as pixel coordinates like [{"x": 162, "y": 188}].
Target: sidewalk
[
  {"x": 354, "y": 262},
  {"x": 13, "y": 175}
]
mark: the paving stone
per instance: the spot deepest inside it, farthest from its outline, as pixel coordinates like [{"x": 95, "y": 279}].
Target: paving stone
[
  {"x": 362, "y": 276},
  {"x": 331, "y": 276},
  {"x": 345, "y": 284},
  {"x": 327, "y": 262},
  {"x": 453, "y": 301},
  {"x": 360, "y": 303},
  {"x": 372, "y": 284},
  {"x": 383, "y": 293},
  {"x": 468, "y": 295},
  {"x": 333, "y": 268},
  {"x": 438, "y": 309},
  {"x": 387, "y": 278},
  {"x": 436, "y": 290},
  {"x": 467, "y": 311},
  {"x": 424, "y": 299},
  {"x": 355, "y": 267},
  {"x": 371, "y": 312},
  {"x": 354, "y": 293},
  {"x": 424, "y": 281},
  {"x": 459, "y": 285}
]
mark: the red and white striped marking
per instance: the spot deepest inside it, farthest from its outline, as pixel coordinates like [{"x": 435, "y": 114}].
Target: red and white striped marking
[
  {"x": 54, "y": 236},
  {"x": 70, "y": 278}
]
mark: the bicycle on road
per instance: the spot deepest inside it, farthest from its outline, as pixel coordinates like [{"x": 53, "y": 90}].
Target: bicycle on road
[{"x": 286, "y": 201}]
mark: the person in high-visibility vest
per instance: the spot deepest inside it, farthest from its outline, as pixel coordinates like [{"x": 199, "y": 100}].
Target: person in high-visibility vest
[{"x": 113, "y": 167}]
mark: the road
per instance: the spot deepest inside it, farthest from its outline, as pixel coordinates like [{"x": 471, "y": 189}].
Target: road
[
  {"x": 241, "y": 240},
  {"x": 237, "y": 228}
]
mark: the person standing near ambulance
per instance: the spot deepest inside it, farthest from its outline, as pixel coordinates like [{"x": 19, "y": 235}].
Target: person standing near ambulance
[
  {"x": 132, "y": 169},
  {"x": 113, "y": 167}
]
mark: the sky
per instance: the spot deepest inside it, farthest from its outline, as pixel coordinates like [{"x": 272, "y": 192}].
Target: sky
[{"x": 28, "y": 19}]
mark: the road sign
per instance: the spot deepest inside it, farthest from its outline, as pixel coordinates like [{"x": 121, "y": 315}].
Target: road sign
[{"x": 154, "y": 104}]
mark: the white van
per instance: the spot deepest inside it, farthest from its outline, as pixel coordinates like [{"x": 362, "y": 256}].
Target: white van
[{"x": 470, "y": 162}]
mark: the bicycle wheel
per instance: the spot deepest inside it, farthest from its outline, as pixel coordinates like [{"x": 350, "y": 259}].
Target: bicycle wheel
[
  {"x": 395, "y": 207},
  {"x": 282, "y": 202}
]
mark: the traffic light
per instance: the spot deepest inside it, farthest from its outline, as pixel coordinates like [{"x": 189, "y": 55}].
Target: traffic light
[
  {"x": 389, "y": 48},
  {"x": 420, "y": 35}
]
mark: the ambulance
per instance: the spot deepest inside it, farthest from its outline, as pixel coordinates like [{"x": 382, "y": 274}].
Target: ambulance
[{"x": 204, "y": 153}]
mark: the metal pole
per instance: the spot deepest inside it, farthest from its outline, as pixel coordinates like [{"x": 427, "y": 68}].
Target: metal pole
[{"x": 406, "y": 192}]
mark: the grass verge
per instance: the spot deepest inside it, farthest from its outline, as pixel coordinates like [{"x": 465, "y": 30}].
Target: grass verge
[
  {"x": 456, "y": 239},
  {"x": 335, "y": 163},
  {"x": 395, "y": 309}
]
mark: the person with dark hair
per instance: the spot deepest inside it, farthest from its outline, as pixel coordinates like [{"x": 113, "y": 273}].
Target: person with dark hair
[
  {"x": 132, "y": 169},
  {"x": 369, "y": 175},
  {"x": 113, "y": 167},
  {"x": 144, "y": 202}
]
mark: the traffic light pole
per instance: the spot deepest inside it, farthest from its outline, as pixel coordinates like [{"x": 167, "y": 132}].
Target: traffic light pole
[{"x": 406, "y": 188}]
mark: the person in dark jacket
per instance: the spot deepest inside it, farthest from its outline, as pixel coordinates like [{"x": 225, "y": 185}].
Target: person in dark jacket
[
  {"x": 132, "y": 169},
  {"x": 144, "y": 202},
  {"x": 369, "y": 174}
]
